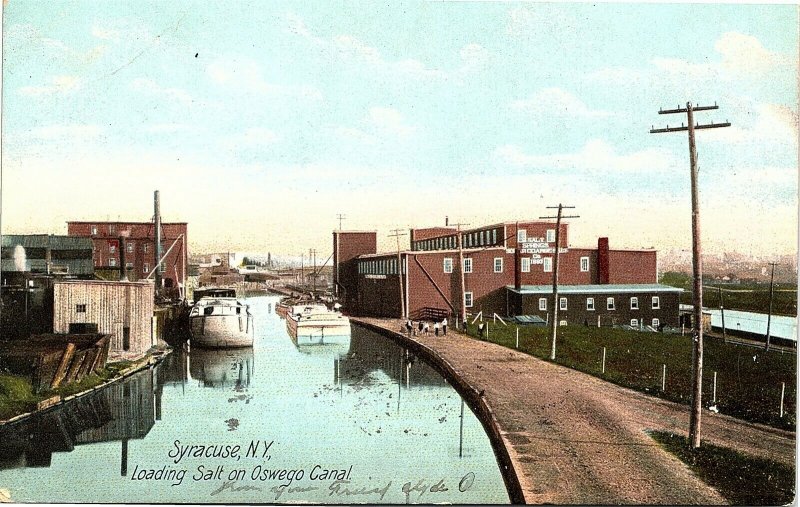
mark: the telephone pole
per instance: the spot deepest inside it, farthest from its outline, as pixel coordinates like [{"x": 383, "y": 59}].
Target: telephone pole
[
  {"x": 554, "y": 323},
  {"x": 340, "y": 217},
  {"x": 697, "y": 266},
  {"x": 771, "y": 292},
  {"x": 313, "y": 253},
  {"x": 396, "y": 235},
  {"x": 461, "y": 274}
]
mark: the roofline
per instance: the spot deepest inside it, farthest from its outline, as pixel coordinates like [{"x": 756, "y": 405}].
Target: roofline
[
  {"x": 121, "y": 222},
  {"x": 466, "y": 251},
  {"x": 597, "y": 288},
  {"x": 338, "y": 231}
]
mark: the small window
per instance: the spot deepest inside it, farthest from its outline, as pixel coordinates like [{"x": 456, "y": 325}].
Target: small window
[
  {"x": 481, "y": 238},
  {"x": 94, "y": 230},
  {"x": 130, "y": 246},
  {"x": 146, "y": 248},
  {"x": 656, "y": 303},
  {"x": 551, "y": 235},
  {"x": 590, "y": 304},
  {"x": 80, "y": 308},
  {"x": 634, "y": 322},
  {"x": 522, "y": 235},
  {"x": 112, "y": 262},
  {"x": 468, "y": 299},
  {"x": 547, "y": 264},
  {"x": 610, "y": 303},
  {"x": 562, "y": 303},
  {"x": 498, "y": 264},
  {"x": 448, "y": 265},
  {"x": 494, "y": 236},
  {"x": 112, "y": 229},
  {"x": 656, "y": 323},
  {"x": 526, "y": 264},
  {"x": 145, "y": 268},
  {"x": 112, "y": 248},
  {"x": 468, "y": 265},
  {"x": 562, "y": 322},
  {"x": 584, "y": 264},
  {"x": 543, "y": 304},
  {"x": 128, "y": 265},
  {"x": 634, "y": 303}
]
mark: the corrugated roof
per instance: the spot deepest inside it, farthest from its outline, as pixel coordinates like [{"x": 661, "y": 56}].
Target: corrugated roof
[
  {"x": 596, "y": 289},
  {"x": 47, "y": 240}
]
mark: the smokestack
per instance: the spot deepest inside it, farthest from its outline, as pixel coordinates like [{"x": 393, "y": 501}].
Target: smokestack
[
  {"x": 157, "y": 220},
  {"x": 603, "y": 268},
  {"x": 446, "y": 221},
  {"x": 123, "y": 273},
  {"x": 20, "y": 261}
]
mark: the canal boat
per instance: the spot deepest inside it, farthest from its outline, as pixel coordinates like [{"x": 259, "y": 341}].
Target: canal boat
[
  {"x": 219, "y": 320},
  {"x": 314, "y": 323}
]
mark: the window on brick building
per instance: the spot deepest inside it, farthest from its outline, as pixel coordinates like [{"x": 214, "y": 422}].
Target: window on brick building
[
  {"x": 634, "y": 322},
  {"x": 130, "y": 246},
  {"x": 522, "y": 235},
  {"x": 448, "y": 264},
  {"x": 542, "y": 304},
  {"x": 468, "y": 299},
  {"x": 610, "y": 303},
  {"x": 634, "y": 303},
  {"x": 94, "y": 230},
  {"x": 656, "y": 303},
  {"x": 584, "y": 264},
  {"x": 562, "y": 303},
  {"x": 467, "y": 265},
  {"x": 112, "y": 248},
  {"x": 145, "y": 268},
  {"x": 498, "y": 264},
  {"x": 551, "y": 235},
  {"x": 112, "y": 262},
  {"x": 547, "y": 264},
  {"x": 525, "y": 264},
  {"x": 656, "y": 323},
  {"x": 590, "y": 304}
]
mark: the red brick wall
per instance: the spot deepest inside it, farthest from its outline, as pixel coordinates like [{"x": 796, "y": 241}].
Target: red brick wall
[
  {"x": 628, "y": 266},
  {"x": 346, "y": 247},
  {"x": 431, "y": 232}
]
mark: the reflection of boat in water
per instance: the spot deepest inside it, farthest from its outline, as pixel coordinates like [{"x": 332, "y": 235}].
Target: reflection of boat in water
[
  {"x": 315, "y": 324},
  {"x": 222, "y": 368},
  {"x": 219, "y": 320}
]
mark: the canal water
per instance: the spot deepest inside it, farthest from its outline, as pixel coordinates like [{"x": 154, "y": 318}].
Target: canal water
[{"x": 364, "y": 422}]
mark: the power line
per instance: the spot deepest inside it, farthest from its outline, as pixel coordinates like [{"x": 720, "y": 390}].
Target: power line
[{"x": 697, "y": 263}]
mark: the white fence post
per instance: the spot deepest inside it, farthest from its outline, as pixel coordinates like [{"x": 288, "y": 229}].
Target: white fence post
[{"x": 604, "y": 361}]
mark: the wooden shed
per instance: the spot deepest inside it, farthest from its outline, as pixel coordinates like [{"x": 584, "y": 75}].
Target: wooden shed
[{"x": 123, "y": 310}]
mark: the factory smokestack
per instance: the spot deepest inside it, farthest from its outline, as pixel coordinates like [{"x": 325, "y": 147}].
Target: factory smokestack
[{"x": 20, "y": 261}]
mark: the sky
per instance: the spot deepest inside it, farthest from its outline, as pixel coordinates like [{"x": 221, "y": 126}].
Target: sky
[{"x": 259, "y": 122}]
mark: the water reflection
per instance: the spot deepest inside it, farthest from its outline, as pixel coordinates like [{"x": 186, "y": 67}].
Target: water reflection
[
  {"x": 368, "y": 405},
  {"x": 222, "y": 368}
]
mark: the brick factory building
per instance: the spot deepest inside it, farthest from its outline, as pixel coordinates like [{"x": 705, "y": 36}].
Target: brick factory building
[
  {"x": 507, "y": 268},
  {"x": 138, "y": 245}
]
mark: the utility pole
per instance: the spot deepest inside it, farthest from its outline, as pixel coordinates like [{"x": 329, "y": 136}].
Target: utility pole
[
  {"x": 697, "y": 266},
  {"x": 722, "y": 314},
  {"x": 554, "y": 324},
  {"x": 340, "y": 217},
  {"x": 771, "y": 292},
  {"x": 313, "y": 253},
  {"x": 461, "y": 273},
  {"x": 396, "y": 235},
  {"x": 302, "y": 271}
]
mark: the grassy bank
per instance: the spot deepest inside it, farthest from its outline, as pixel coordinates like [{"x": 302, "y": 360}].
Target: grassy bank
[
  {"x": 741, "y": 479},
  {"x": 17, "y": 396},
  {"x": 748, "y": 380}
]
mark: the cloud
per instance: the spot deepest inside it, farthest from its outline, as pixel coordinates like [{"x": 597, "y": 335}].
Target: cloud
[
  {"x": 555, "y": 101},
  {"x": 745, "y": 54},
  {"x": 59, "y": 85},
  {"x": 258, "y": 135},
  {"x": 595, "y": 155},
  {"x": 355, "y": 134},
  {"x": 105, "y": 33},
  {"x": 774, "y": 124},
  {"x": 389, "y": 120},
  {"x": 66, "y": 132},
  {"x": 150, "y": 87},
  {"x": 246, "y": 75}
]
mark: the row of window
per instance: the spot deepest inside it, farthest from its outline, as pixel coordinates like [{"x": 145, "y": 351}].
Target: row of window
[
  {"x": 129, "y": 246},
  {"x": 525, "y": 264},
  {"x": 378, "y": 267},
  {"x": 112, "y": 262},
  {"x": 655, "y": 303},
  {"x": 469, "y": 240}
]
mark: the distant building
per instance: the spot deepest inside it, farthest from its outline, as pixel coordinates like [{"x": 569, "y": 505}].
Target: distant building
[
  {"x": 48, "y": 254},
  {"x": 505, "y": 268},
  {"x": 137, "y": 250}
]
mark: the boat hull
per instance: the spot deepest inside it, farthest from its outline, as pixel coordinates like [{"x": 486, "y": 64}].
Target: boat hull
[
  {"x": 222, "y": 331},
  {"x": 319, "y": 332}
]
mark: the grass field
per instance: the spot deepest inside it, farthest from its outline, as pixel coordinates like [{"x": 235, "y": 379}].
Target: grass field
[
  {"x": 741, "y": 479},
  {"x": 17, "y": 396},
  {"x": 748, "y": 380}
]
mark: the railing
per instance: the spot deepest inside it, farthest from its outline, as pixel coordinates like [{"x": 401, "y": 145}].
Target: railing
[{"x": 429, "y": 313}]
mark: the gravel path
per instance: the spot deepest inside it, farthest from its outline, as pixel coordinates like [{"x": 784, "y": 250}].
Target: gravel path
[{"x": 574, "y": 438}]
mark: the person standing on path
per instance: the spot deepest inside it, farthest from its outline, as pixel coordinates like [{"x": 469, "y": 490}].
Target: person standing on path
[
  {"x": 421, "y": 326},
  {"x": 444, "y": 326},
  {"x": 436, "y": 329},
  {"x": 480, "y": 330},
  {"x": 409, "y": 327},
  {"x": 465, "y": 325}
]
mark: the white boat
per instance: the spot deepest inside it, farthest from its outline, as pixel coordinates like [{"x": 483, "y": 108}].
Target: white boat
[
  {"x": 219, "y": 320},
  {"x": 314, "y": 323}
]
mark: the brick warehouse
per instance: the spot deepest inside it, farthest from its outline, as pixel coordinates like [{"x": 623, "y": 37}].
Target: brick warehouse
[
  {"x": 138, "y": 240},
  {"x": 507, "y": 270}
]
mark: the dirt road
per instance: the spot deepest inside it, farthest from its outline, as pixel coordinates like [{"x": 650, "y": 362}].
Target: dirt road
[{"x": 574, "y": 438}]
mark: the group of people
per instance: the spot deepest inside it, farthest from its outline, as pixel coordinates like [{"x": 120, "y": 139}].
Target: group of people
[{"x": 423, "y": 327}]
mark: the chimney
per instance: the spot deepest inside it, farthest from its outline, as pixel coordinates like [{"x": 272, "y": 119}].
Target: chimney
[
  {"x": 446, "y": 221},
  {"x": 123, "y": 273},
  {"x": 602, "y": 261}
]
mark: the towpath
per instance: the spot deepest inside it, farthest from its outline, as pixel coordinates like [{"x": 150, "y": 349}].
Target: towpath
[{"x": 574, "y": 438}]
